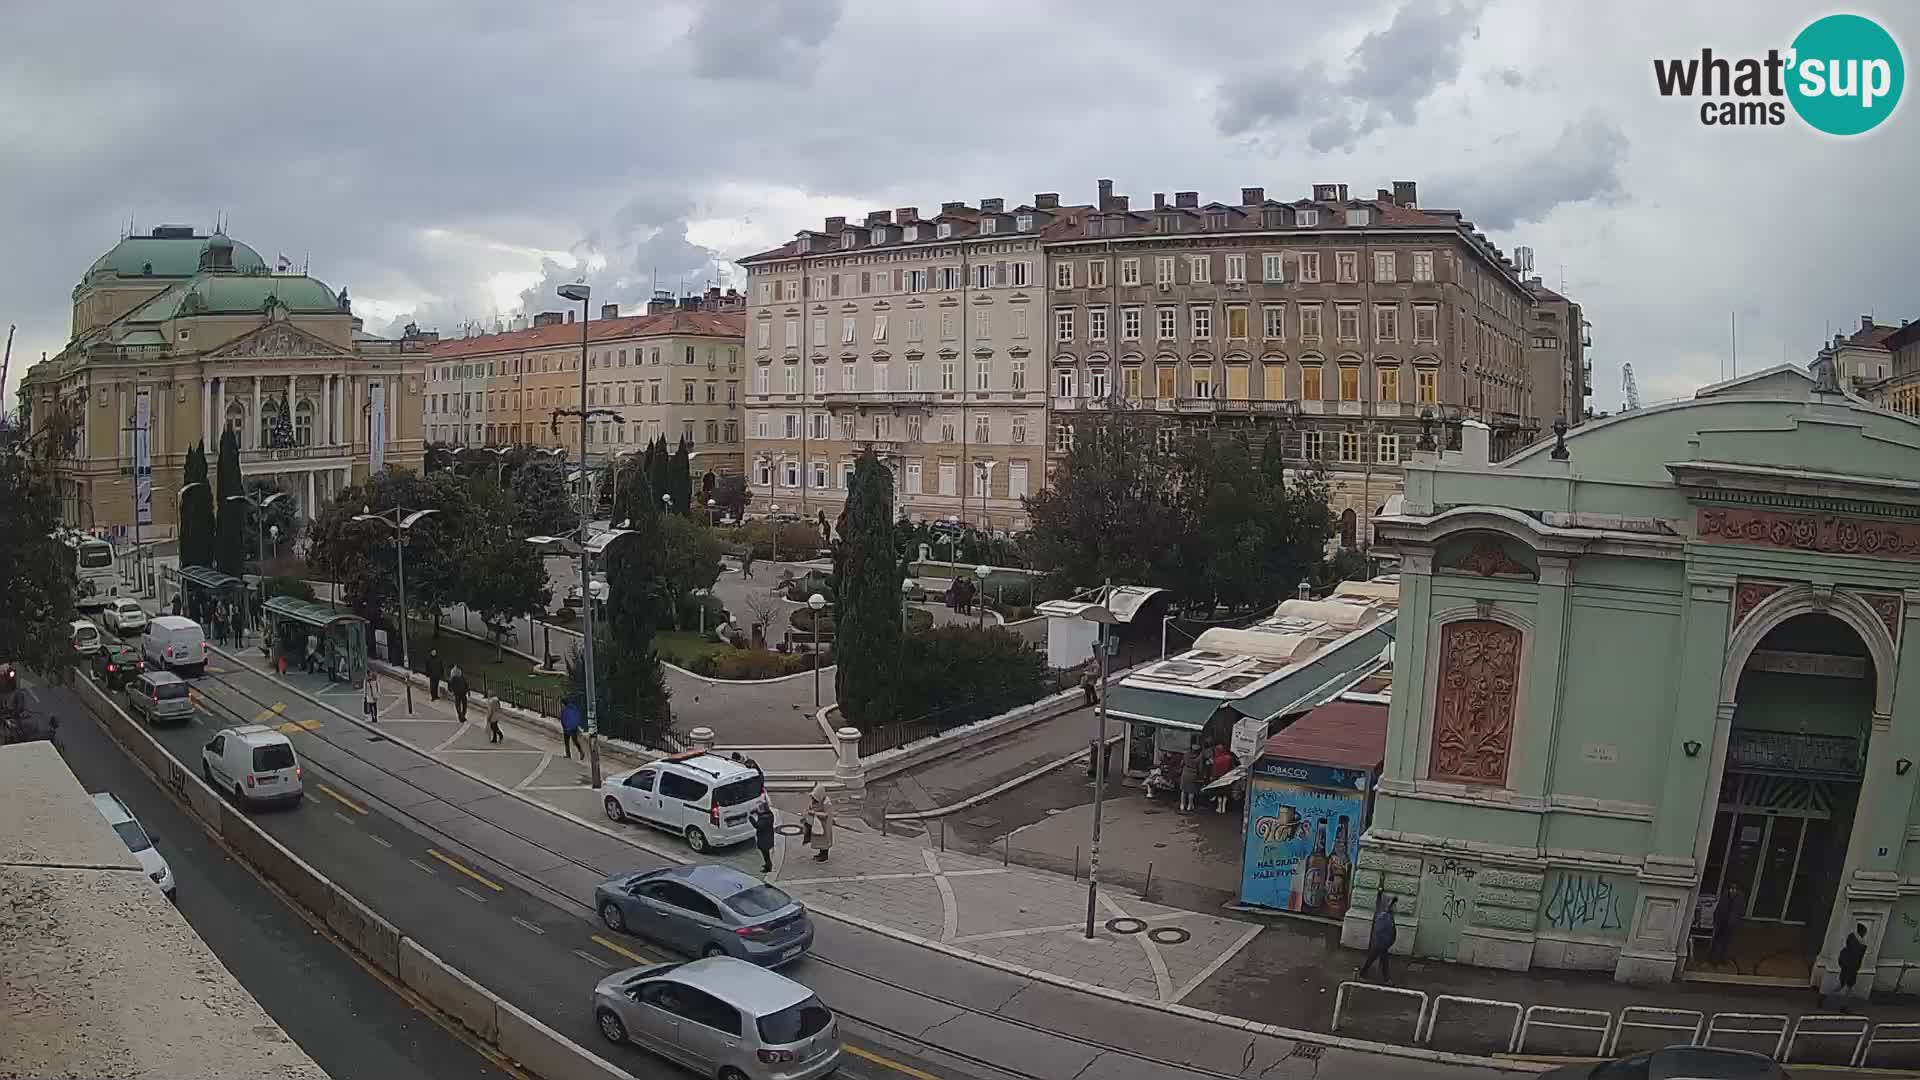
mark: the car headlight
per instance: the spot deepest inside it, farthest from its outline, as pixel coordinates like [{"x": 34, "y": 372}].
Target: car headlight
[{"x": 157, "y": 875}]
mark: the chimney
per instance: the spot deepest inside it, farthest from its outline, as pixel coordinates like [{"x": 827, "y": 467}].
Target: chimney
[
  {"x": 1120, "y": 203},
  {"x": 1187, "y": 200},
  {"x": 689, "y": 303},
  {"x": 713, "y": 292},
  {"x": 1404, "y": 193},
  {"x": 549, "y": 318},
  {"x": 609, "y": 311},
  {"x": 1326, "y": 192},
  {"x": 880, "y": 217},
  {"x": 1159, "y": 200},
  {"x": 1106, "y": 194},
  {"x": 992, "y": 206},
  {"x": 1866, "y": 322},
  {"x": 1343, "y": 193},
  {"x": 1382, "y": 195},
  {"x": 950, "y": 207},
  {"x": 569, "y": 316},
  {"x": 835, "y": 224},
  {"x": 1535, "y": 282},
  {"x": 1252, "y": 196},
  {"x": 908, "y": 214},
  {"x": 1047, "y": 200}
]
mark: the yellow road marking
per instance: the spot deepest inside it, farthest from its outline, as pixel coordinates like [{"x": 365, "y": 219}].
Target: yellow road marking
[
  {"x": 268, "y": 714},
  {"x": 621, "y": 949},
  {"x": 887, "y": 1062},
  {"x": 294, "y": 727},
  {"x": 343, "y": 800},
  {"x": 463, "y": 869}
]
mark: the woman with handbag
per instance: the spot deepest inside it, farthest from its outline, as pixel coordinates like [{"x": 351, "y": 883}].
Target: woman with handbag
[{"x": 817, "y": 829}]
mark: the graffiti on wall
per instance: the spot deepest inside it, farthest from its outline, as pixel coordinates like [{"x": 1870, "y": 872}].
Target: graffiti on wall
[
  {"x": 1451, "y": 879},
  {"x": 1586, "y": 902}
]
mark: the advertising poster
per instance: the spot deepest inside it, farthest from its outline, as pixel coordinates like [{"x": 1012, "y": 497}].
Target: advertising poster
[
  {"x": 143, "y": 456},
  {"x": 376, "y": 425},
  {"x": 1303, "y": 836}
]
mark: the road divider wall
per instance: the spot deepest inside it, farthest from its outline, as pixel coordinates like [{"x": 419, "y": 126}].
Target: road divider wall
[{"x": 541, "y": 1050}]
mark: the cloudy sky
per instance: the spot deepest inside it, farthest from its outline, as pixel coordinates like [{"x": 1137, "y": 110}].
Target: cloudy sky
[{"x": 450, "y": 160}]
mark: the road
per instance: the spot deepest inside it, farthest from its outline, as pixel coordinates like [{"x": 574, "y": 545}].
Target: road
[
  {"x": 501, "y": 887},
  {"x": 347, "y": 1019}
]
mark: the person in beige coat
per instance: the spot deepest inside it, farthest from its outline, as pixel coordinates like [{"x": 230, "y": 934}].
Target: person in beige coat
[{"x": 819, "y": 822}]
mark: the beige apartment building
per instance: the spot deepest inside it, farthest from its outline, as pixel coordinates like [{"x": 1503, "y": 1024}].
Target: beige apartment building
[
  {"x": 675, "y": 373},
  {"x": 921, "y": 337},
  {"x": 178, "y": 336},
  {"x": 1898, "y": 390},
  {"x": 1557, "y": 341},
  {"x": 1332, "y": 322}
]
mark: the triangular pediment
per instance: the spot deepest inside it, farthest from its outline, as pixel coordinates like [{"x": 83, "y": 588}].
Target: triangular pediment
[{"x": 275, "y": 339}]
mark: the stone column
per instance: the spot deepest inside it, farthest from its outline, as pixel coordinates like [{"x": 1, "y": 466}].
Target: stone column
[
  {"x": 326, "y": 411},
  {"x": 252, "y": 437},
  {"x": 308, "y": 510},
  {"x": 1533, "y": 754},
  {"x": 847, "y": 768},
  {"x": 206, "y": 409}
]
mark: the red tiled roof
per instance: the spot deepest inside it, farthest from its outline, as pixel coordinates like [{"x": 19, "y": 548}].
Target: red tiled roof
[
  {"x": 1872, "y": 337},
  {"x": 701, "y": 323},
  {"x": 1343, "y": 734}
]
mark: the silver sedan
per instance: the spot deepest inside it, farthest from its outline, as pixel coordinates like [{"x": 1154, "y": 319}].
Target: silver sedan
[{"x": 707, "y": 910}]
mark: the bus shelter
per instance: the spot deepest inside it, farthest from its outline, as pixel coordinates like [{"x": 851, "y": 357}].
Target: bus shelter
[
  {"x": 202, "y": 592},
  {"x": 313, "y": 637}
]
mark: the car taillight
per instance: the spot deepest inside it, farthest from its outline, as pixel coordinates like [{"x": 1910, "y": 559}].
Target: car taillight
[
  {"x": 773, "y": 1057},
  {"x": 751, "y": 931},
  {"x": 249, "y": 779},
  {"x": 296, "y": 772},
  {"x": 111, "y": 669},
  {"x": 714, "y": 813}
]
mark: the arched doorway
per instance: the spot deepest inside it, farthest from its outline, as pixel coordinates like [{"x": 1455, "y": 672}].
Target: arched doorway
[
  {"x": 1795, "y": 757},
  {"x": 1349, "y": 527}
]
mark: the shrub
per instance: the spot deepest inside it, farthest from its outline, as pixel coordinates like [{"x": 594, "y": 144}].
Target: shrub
[
  {"x": 563, "y": 614},
  {"x": 745, "y": 664},
  {"x": 962, "y": 674},
  {"x": 802, "y": 620},
  {"x": 813, "y": 581}
]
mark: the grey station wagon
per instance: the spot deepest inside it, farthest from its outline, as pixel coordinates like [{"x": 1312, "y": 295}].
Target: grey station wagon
[{"x": 721, "y": 1017}]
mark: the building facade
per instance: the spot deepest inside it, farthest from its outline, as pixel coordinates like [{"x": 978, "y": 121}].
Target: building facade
[
  {"x": 1862, "y": 359},
  {"x": 1557, "y": 341},
  {"x": 921, "y": 337},
  {"x": 1331, "y": 322},
  {"x": 178, "y": 336},
  {"x": 1657, "y": 669},
  {"x": 675, "y": 374}
]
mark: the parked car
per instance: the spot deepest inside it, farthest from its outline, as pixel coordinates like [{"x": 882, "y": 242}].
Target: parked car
[
  {"x": 137, "y": 839},
  {"x": 254, "y": 762},
  {"x": 176, "y": 643},
  {"x": 125, "y": 617},
  {"x": 85, "y": 637},
  {"x": 697, "y": 795},
  {"x": 1677, "y": 1063},
  {"x": 707, "y": 910},
  {"x": 115, "y": 663},
  {"x": 160, "y": 695},
  {"x": 722, "y": 1017}
]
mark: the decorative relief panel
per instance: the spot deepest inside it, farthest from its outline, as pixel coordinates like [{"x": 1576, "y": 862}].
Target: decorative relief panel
[
  {"x": 1887, "y": 606},
  {"x": 1825, "y": 533},
  {"x": 1488, "y": 559},
  {"x": 1522, "y": 880},
  {"x": 1747, "y": 595},
  {"x": 1473, "y": 716}
]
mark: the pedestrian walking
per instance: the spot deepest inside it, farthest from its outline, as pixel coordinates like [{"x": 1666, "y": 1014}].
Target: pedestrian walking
[
  {"x": 1191, "y": 770},
  {"x": 1848, "y": 962},
  {"x": 494, "y": 734},
  {"x": 1221, "y": 765},
  {"x": 457, "y": 688},
  {"x": 311, "y": 663},
  {"x": 1089, "y": 683},
  {"x": 436, "y": 670},
  {"x": 1380, "y": 940},
  {"x": 819, "y": 824},
  {"x": 570, "y": 722},
  {"x": 762, "y": 818},
  {"x": 371, "y": 702},
  {"x": 746, "y": 562},
  {"x": 1726, "y": 915}
]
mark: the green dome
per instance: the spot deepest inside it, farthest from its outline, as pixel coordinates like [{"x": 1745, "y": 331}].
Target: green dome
[
  {"x": 174, "y": 252},
  {"x": 238, "y": 294}
]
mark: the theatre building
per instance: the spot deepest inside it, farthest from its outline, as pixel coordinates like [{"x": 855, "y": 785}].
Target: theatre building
[{"x": 1659, "y": 667}]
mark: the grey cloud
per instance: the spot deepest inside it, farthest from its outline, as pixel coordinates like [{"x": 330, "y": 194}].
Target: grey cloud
[
  {"x": 777, "y": 41},
  {"x": 1390, "y": 73},
  {"x": 1583, "y": 165}
]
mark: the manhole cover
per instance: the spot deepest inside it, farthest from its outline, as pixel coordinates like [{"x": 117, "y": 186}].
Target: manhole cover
[{"x": 982, "y": 822}]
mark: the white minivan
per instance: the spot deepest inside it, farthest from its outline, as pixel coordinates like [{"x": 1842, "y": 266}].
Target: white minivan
[
  {"x": 254, "y": 762},
  {"x": 697, "y": 795},
  {"x": 176, "y": 643}
]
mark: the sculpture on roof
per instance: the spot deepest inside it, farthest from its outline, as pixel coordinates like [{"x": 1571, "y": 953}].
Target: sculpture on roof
[{"x": 346, "y": 305}]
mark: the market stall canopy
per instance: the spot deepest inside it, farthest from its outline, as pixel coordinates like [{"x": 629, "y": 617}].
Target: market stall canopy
[
  {"x": 1148, "y": 706},
  {"x": 1124, "y": 601},
  {"x": 1339, "y": 734}
]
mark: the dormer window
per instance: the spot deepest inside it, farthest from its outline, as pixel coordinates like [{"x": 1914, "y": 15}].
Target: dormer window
[
  {"x": 912, "y": 232},
  {"x": 943, "y": 230},
  {"x": 879, "y": 235},
  {"x": 1307, "y": 219},
  {"x": 1361, "y": 217},
  {"x": 989, "y": 224},
  {"x": 1273, "y": 219},
  {"x": 1023, "y": 222},
  {"x": 805, "y": 245},
  {"x": 1217, "y": 220},
  {"x": 1169, "y": 223},
  {"x": 846, "y": 239}
]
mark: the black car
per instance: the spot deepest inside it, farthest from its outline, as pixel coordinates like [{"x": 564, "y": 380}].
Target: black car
[
  {"x": 1677, "y": 1063},
  {"x": 115, "y": 663}
]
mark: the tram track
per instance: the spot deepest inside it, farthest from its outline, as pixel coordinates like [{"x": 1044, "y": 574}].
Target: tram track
[{"x": 251, "y": 706}]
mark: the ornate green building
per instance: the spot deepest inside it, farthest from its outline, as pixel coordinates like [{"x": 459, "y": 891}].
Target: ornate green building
[{"x": 1653, "y": 670}]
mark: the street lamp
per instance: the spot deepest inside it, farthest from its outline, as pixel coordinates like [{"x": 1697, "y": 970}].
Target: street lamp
[
  {"x": 583, "y": 293},
  {"x": 259, "y": 504},
  {"x": 980, "y": 593},
  {"x": 712, "y": 507},
  {"x": 773, "y": 526},
  {"x": 1103, "y": 615},
  {"x": 401, "y": 525},
  {"x": 817, "y": 603}
]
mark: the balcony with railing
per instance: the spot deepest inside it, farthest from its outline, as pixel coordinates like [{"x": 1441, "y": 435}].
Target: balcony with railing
[{"x": 853, "y": 398}]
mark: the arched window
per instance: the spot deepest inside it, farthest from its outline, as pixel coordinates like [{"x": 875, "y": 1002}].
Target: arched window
[
  {"x": 269, "y": 413},
  {"x": 303, "y": 423},
  {"x": 1348, "y": 524},
  {"x": 237, "y": 421}
]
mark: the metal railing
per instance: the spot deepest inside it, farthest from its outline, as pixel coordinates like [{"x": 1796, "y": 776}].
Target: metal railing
[
  {"x": 906, "y": 732},
  {"x": 1904, "y": 1035},
  {"x": 1433, "y": 1016},
  {"x": 1625, "y": 1021},
  {"x": 1419, "y": 1017},
  {"x": 1531, "y": 1021},
  {"x": 1776, "y": 1028},
  {"x": 1848, "y": 1027}
]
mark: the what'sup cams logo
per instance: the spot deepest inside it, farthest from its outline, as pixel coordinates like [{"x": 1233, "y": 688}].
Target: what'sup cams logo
[{"x": 1842, "y": 75}]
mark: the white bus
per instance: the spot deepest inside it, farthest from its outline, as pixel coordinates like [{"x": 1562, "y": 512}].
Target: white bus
[{"x": 94, "y": 567}]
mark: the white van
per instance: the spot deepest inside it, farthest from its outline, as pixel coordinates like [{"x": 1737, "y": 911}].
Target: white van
[
  {"x": 176, "y": 643},
  {"x": 85, "y": 637},
  {"x": 254, "y": 762},
  {"x": 697, "y": 794}
]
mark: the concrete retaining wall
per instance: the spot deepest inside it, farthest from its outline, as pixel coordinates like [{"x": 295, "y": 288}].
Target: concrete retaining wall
[
  {"x": 888, "y": 762},
  {"x": 540, "y": 1049}
]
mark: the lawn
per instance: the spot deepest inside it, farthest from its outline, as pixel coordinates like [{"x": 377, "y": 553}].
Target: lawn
[
  {"x": 683, "y": 647},
  {"x": 486, "y": 667}
]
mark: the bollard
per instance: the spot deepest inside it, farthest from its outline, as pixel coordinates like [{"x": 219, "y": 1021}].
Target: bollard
[
  {"x": 943, "y": 835},
  {"x": 883, "y": 816},
  {"x": 1076, "y": 864},
  {"x": 1147, "y": 893},
  {"x": 1006, "y": 848}
]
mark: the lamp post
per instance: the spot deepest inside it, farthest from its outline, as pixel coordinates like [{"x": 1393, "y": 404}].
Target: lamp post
[
  {"x": 773, "y": 526},
  {"x": 1101, "y": 614},
  {"x": 253, "y": 498},
  {"x": 980, "y": 594},
  {"x": 817, "y": 603},
  {"x": 581, "y": 292},
  {"x": 712, "y": 507},
  {"x": 401, "y": 525}
]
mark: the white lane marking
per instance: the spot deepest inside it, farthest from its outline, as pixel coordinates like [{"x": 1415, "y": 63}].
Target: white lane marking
[
  {"x": 343, "y": 817},
  {"x": 471, "y": 895},
  {"x": 525, "y": 925},
  {"x": 591, "y": 959},
  {"x": 949, "y": 910},
  {"x": 545, "y": 760},
  {"x": 1219, "y": 962},
  {"x": 423, "y": 867},
  {"x": 377, "y": 840},
  {"x": 451, "y": 739}
]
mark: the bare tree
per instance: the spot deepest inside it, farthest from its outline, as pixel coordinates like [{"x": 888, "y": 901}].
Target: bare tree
[{"x": 762, "y": 604}]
